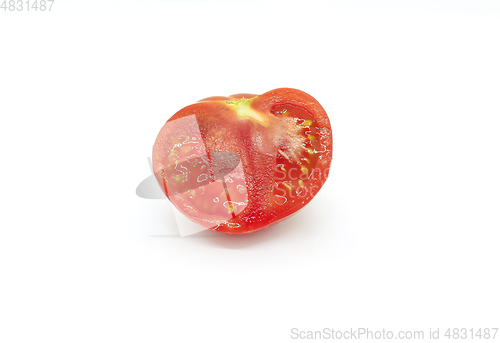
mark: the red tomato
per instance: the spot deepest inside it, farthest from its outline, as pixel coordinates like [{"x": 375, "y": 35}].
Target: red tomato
[{"x": 241, "y": 163}]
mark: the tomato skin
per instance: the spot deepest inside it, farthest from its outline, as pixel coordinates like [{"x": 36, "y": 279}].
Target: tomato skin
[{"x": 238, "y": 164}]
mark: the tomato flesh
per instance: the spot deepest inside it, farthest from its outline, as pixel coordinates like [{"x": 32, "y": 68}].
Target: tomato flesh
[{"x": 239, "y": 164}]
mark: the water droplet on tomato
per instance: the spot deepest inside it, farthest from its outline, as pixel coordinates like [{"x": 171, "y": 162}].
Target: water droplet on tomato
[
  {"x": 202, "y": 177},
  {"x": 279, "y": 199},
  {"x": 240, "y": 188}
]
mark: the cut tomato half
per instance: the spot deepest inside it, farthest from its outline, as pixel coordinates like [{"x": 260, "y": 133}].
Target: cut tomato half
[{"x": 238, "y": 164}]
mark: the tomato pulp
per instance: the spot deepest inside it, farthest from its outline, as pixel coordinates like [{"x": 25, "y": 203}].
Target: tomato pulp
[{"x": 238, "y": 164}]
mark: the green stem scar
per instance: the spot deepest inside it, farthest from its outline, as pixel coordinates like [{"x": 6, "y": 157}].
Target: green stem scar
[{"x": 243, "y": 109}]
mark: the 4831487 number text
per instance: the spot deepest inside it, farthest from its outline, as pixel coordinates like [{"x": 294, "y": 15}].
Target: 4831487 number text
[{"x": 26, "y": 5}]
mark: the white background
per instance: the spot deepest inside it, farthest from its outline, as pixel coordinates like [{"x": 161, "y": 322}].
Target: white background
[{"x": 404, "y": 236}]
